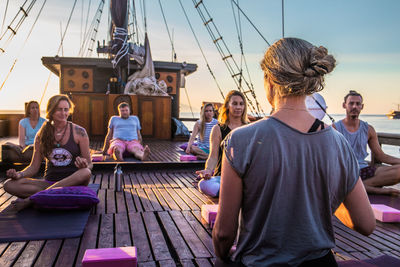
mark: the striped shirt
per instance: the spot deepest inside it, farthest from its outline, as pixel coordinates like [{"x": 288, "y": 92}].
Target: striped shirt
[{"x": 205, "y": 143}]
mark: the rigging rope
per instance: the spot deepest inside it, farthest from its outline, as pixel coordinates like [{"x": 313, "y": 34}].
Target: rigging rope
[
  {"x": 227, "y": 56},
  {"x": 144, "y": 16},
  {"x": 23, "y": 45},
  {"x": 13, "y": 29},
  {"x": 58, "y": 51},
  {"x": 169, "y": 35},
  {"x": 201, "y": 50},
  {"x": 4, "y": 18},
  {"x": 120, "y": 34},
  {"x": 87, "y": 20},
  {"x": 135, "y": 21}
]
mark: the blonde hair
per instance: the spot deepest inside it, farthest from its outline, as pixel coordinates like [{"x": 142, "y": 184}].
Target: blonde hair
[
  {"x": 46, "y": 133},
  {"x": 296, "y": 67},
  {"x": 203, "y": 119},
  {"x": 223, "y": 117}
]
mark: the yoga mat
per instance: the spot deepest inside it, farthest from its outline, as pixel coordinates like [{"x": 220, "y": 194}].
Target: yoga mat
[
  {"x": 32, "y": 224},
  {"x": 390, "y": 201}
]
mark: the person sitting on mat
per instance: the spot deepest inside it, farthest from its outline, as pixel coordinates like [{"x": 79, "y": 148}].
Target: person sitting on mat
[
  {"x": 232, "y": 114},
  {"x": 27, "y": 130},
  {"x": 202, "y": 128},
  {"x": 124, "y": 136},
  {"x": 64, "y": 145},
  {"x": 284, "y": 178},
  {"x": 359, "y": 134}
]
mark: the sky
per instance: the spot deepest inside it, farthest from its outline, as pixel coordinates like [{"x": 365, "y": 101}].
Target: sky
[{"x": 363, "y": 36}]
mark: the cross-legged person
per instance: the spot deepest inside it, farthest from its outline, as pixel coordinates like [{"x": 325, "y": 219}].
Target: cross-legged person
[
  {"x": 202, "y": 128},
  {"x": 232, "y": 114},
  {"x": 64, "y": 145},
  {"x": 359, "y": 134},
  {"x": 124, "y": 136}
]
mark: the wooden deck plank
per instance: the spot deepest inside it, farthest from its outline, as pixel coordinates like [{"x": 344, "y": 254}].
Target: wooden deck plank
[
  {"x": 158, "y": 243},
  {"x": 153, "y": 199},
  {"x": 120, "y": 202},
  {"x": 110, "y": 203},
  {"x": 68, "y": 253},
  {"x": 201, "y": 232},
  {"x": 161, "y": 200},
  {"x": 177, "y": 199},
  {"x": 136, "y": 200},
  {"x": 89, "y": 238},
  {"x": 49, "y": 253},
  {"x": 169, "y": 200},
  {"x": 11, "y": 254},
  {"x": 144, "y": 200},
  {"x": 130, "y": 205},
  {"x": 106, "y": 234},
  {"x": 31, "y": 251},
  {"x": 122, "y": 232},
  {"x": 190, "y": 237},
  {"x": 101, "y": 206},
  {"x": 182, "y": 250},
  {"x": 139, "y": 237}
]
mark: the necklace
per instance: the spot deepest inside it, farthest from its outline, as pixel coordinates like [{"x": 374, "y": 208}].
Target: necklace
[
  {"x": 62, "y": 137},
  {"x": 297, "y": 109}
]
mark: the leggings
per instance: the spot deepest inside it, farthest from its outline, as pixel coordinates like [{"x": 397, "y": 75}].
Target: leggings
[{"x": 211, "y": 186}]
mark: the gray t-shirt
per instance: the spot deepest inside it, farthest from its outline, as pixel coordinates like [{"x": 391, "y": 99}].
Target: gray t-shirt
[{"x": 292, "y": 184}]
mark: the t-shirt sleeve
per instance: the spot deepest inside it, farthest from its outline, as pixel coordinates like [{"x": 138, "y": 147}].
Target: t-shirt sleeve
[
  {"x": 138, "y": 123},
  {"x": 23, "y": 122},
  {"x": 111, "y": 123},
  {"x": 235, "y": 151}
]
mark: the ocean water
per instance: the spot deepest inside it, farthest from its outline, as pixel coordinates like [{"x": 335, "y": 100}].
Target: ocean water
[{"x": 381, "y": 123}]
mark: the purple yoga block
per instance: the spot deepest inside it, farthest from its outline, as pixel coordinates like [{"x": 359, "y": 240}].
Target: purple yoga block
[
  {"x": 187, "y": 157},
  {"x": 109, "y": 257},
  {"x": 209, "y": 214},
  {"x": 385, "y": 213}
]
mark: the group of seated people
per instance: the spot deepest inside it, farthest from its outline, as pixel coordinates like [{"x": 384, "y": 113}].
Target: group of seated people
[
  {"x": 65, "y": 147},
  {"x": 279, "y": 180}
]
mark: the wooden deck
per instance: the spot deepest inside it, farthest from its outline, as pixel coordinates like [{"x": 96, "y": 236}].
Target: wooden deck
[{"x": 159, "y": 213}]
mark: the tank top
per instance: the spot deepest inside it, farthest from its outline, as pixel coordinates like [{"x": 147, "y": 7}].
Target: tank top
[
  {"x": 61, "y": 161},
  {"x": 357, "y": 140},
  {"x": 225, "y": 130},
  {"x": 205, "y": 143}
]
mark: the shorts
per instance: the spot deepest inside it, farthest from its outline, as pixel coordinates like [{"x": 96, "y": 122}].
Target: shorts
[
  {"x": 124, "y": 145},
  {"x": 205, "y": 149},
  {"x": 367, "y": 172}
]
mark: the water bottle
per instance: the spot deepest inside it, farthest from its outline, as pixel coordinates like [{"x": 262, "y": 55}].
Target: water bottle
[{"x": 118, "y": 178}]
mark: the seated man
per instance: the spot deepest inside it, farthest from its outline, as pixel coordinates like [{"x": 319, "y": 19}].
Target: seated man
[
  {"x": 124, "y": 135},
  {"x": 358, "y": 133}
]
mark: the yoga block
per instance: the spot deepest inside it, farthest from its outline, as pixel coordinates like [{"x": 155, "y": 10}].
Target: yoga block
[
  {"x": 97, "y": 157},
  {"x": 385, "y": 213},
  {"x": 187, "y": 157},
  {"x": 209, "y": 214},
  {"x": 108, "y": 257}
]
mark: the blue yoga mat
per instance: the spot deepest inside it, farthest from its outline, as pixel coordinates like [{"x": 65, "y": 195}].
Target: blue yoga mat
[{"x": 32, "y": 224}]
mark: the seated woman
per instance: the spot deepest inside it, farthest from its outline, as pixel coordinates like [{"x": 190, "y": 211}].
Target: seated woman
[
  {"x": 64, "y": 145},
  {"x": 202, "y": 128},
  {"x": 27, "y": 130},
  {"x": 233, "y": 114},
  {"x": 288, "y": 173}
]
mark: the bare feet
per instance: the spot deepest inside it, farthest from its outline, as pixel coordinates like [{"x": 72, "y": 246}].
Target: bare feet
[
  {"x": 146, "y": 153},
  {"x": 17, "y": 205},
  {"x": 117, "y": 155},
  {"x": 382, "y": 190}
]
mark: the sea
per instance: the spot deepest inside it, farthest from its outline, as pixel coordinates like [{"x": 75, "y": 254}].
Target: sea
[{"x": 381, "y": 124}]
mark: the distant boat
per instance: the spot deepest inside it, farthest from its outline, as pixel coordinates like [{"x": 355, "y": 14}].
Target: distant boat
[{"x": 394, "y": 114}]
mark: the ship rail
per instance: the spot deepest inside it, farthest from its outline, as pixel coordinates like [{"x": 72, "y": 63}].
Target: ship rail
[{"x": 386, "y": 139}]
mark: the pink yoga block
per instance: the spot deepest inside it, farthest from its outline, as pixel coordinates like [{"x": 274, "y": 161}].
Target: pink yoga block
[
  {"x": 97, "y": 157},
  {"x": 109, "y": 257},
  {"x": 209, "y": 214},
  {"x": 385, "y": 213},
  {"x": 187, "y": 157}
]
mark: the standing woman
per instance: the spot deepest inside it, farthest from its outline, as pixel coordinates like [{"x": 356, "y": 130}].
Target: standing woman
[
  {"x": 202, "y": 128},
  {"x": 233, "y": 114},
  {"x": 27, "y": 130},
  {"x": 64, "y": 145},
  {"x": 289, "y": 173}
]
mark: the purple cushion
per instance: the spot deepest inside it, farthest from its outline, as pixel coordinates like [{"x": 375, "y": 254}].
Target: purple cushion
[{"x": 71, "y": 197}]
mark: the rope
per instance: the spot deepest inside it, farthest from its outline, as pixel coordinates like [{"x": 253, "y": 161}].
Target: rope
[
  {"x": 169, "y": 35},
  {"x": 23, "y": 45},
  {"x": 135, "y": 21},
  {"x": 251, "y": 23},
  {"x": 87, "y": 19},
  {"x": 120, "y": 34},
  {"x": 144, "y": 16},
  {"x": 4, "y": 18},
  {"x": 190, "y": 105},
  {"x": 201, "y": 50}
]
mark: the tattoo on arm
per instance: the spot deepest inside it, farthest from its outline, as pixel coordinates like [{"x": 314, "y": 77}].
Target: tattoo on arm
[{"x": 80, "y": 131}]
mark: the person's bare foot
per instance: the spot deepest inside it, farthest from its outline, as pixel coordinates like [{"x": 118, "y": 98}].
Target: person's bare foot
[
  {"x": 17, "y": 205},
  {"x": 382, "y": 191},
  {"x": 146, "y": 153}
]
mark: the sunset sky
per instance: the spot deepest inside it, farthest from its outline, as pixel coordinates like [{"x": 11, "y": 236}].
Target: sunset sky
[{"x": 363, "y": 35}]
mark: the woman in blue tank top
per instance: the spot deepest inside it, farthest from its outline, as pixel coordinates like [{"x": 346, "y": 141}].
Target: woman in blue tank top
[
  {"x": 64, "y": 145},
  {"x": 202, "y": 129}
]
